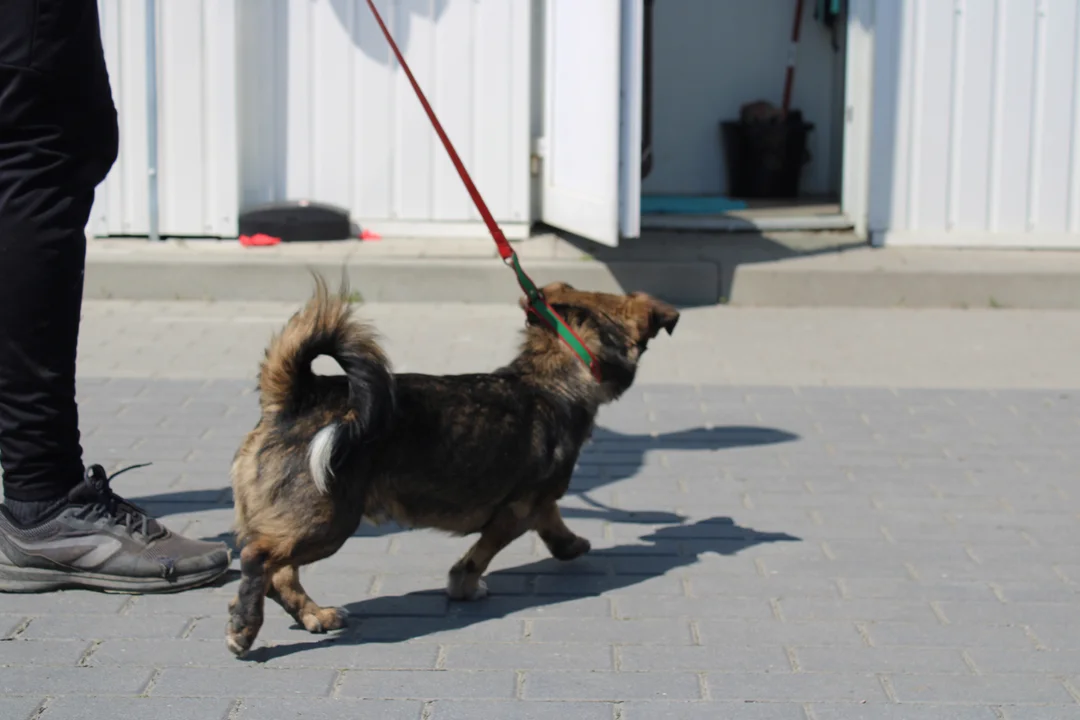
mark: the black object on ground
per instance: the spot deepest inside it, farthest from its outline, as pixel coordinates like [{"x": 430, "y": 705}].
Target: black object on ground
[
  {"x": 765, "y": 157},
  {"x": 298, "y": 221}
]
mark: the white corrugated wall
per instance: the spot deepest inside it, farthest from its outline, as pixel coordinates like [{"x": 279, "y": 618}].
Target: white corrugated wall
[
  {"x": 263, "y": 100},
  {"x": 197, "y": 148},
  {"x": 327, "y": 114},
  {"x": 976, "y": 137}
]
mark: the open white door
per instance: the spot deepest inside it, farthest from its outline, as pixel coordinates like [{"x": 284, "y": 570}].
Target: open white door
[
  {"x": 858, "y": 111},
  {"x": 592, "y": 149}
]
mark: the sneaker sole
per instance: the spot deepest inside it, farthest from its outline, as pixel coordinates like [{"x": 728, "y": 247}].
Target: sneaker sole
[{"x": 35, "y": 580}]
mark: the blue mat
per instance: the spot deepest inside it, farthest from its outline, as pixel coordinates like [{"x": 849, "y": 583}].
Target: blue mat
[{"x": 689, "y": 205}]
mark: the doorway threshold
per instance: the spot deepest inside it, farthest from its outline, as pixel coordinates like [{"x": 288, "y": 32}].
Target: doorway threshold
[{"x": 803, "y": 214}]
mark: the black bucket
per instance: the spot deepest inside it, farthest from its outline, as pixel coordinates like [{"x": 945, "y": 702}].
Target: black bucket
[{"x": 765, "y": 159}]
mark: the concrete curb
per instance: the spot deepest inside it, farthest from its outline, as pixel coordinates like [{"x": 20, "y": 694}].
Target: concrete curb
[
  {"x": 487, "y": 280},
  {"x": 914, "y": 279},
  {"x": 687, "y": 276}
]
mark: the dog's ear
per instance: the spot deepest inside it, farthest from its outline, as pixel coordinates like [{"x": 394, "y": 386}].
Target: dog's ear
[
  {"x": 550, "y": 292},
  {"x": 555, "y": 287},
  {"x": 656, "y": 314}
]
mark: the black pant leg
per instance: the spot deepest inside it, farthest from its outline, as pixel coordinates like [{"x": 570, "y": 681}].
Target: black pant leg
[{"x": 58, "y": 140}]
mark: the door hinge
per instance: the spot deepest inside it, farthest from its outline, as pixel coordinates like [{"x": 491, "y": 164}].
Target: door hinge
[{"x": 539, "y": 152}]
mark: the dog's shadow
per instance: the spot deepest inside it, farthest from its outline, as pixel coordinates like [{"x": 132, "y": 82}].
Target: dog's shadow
[
  {"x": 387, "y": 619},
  {"x": 611, "y": 456}
]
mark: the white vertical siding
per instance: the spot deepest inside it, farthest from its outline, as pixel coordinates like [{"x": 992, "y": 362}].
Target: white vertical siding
[
  {"x": 328, "y": 115},
  {"x": 197, "y": 153},
  {"x": 977, "y": 123}
]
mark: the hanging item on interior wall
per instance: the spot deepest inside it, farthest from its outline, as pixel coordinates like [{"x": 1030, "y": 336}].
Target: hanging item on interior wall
[
  {"x": 298, "y": 221},
  {"x": 647, "y": 91},
  {"x": 828, "y": 12}
]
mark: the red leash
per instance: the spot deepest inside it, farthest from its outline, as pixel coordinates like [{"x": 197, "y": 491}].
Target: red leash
[{"x": 537, "y": 303}]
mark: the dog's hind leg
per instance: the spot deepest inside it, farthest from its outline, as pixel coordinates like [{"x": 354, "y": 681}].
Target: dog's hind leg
[
  {"x": 286, "y": 589},
  {"x": 464, "y": 582},
  {"x": 561, "y": 541},
  {"x": 246, "y": 609}
]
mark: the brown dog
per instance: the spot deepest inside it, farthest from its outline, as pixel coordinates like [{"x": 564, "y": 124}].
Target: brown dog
[{"x": 488, "y": 453}]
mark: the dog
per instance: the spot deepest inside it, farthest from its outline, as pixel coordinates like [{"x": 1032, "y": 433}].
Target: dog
[{"x": 486, "y": 453}]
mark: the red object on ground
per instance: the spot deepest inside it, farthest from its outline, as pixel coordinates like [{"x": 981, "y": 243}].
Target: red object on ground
[
  {"x": 259, "y": 240},
  {"x": 370, "y": 235}
]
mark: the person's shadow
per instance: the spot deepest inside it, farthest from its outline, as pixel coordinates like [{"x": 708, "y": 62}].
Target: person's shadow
[
  {"x": 547, "y": 582},
  {"x": 611, "y": 456}
]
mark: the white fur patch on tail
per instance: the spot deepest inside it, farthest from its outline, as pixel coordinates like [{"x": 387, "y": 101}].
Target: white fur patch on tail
[{"x": 319, "y": 454}]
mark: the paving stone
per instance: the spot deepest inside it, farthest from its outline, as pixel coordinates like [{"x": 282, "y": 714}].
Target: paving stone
[
  {"x": 66, "y": 602},
  {"x": 158, "y": 708},
  {"x": 907, "y": 711},
  {"x": 1035, "y": 662},
  {"x": 519, "y": 710},
  {"x": 74, "y": 680},
  {"x": 529, "y": 656},
  {"x": 1003, "y": 638},
  {"x": 667, "y": 631},
  {"x": 992, "y": 689},
  {"x": 799, "y": 687},
  {"x": 323, "y": 709},
  {"x": 667, "y": 710},
  {"x": 808, "y": 609},
  {"x": 143, "y": 652},
  {"x": 908, "y": 589},
  {"x": 43, "y": 652},
  {"x": 429, "y": 684},
  {"x": 998, "y": 613},
  {"x": 611, "y": 686},
  {"x": 881, "y": 660},
  {"x": 449, "y": 629},
  {"x": 1032, "y": 712},
  {"x": 243, "y": 680},
  {"x": 703, "y": 659},
  {"x": 711, "y": 607},
  {"x": 1056, "y": 636},
  {"x": 96, "y": 627},
  {"x": 20, "y": 708},
  {"x": 734, "y": 633}
]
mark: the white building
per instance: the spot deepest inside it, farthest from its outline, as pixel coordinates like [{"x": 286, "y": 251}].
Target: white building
[{"x": 936, "y": 122}]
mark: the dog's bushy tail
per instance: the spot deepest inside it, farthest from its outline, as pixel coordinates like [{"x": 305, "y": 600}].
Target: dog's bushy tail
[{"x": 325, "y": 326}]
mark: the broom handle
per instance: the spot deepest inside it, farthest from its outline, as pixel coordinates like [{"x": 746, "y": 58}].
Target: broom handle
[{"x": 789, "y": 79}]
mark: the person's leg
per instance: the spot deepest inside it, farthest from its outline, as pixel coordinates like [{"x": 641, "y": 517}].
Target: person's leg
[
  {"x": 58, "y": 139},
  {"x": 60, "y": 527}
]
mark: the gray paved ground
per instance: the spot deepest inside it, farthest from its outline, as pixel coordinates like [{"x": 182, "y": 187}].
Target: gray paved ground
[{"x": 835, "y": 543}]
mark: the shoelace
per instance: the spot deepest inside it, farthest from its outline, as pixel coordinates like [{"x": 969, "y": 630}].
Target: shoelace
[{"x": 115, "y": 508}]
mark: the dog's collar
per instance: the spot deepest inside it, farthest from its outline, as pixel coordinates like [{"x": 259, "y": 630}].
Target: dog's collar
[{"x": 539, "y": 306}]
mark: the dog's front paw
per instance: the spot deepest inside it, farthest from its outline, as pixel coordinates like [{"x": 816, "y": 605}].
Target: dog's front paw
[
  {"x": 570, "y": 549},
  {"x": 464, "y": 587},
  {"x": 325, "y": 619},
  {"x": 238, "y": 637}
]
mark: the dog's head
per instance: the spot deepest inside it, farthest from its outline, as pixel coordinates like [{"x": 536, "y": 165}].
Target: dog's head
[{"x": 616, "y": 328}]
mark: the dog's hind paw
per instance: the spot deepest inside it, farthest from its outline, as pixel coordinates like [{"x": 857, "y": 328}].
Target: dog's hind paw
[{"x": 326, "y": 619}]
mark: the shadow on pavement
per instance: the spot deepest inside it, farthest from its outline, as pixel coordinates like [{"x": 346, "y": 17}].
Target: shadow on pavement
[{"x": 387, "y": 619}]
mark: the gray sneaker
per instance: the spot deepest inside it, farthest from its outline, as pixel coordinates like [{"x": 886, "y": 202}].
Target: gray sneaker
[{"x": 100, "y": 541}]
